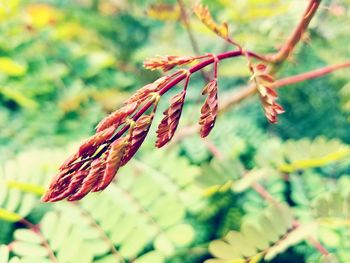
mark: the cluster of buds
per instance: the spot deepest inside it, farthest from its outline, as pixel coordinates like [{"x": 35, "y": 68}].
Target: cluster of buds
[
  {"x": 167, "y": 63},
  {"x": 98, "y": 159},
  {"x": 119, "y": 135}
]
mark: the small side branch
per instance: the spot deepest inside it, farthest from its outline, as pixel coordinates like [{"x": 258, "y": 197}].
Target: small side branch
[
  {"x": 246, "y": 92},
  {"x": 310, "y": 75}
]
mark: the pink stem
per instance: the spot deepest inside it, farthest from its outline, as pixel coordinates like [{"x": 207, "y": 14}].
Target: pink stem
[{"x": 309, "y": 75}]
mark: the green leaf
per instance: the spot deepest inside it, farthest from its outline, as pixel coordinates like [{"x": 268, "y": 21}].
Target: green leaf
[
  {"x": 223, "y": 250},
  {"x": 163, "y": 244},
  {"x": 254, "y": 235},
  {"x": 31, "y": 259},
  {"x": 266, "y": 233},
  {"x": 136, "y": 240},
  {"x": 329, "y": 237},
  {"x": 239, "y": 241},
  {"x": 21, "y": 248},
  {"x": 250, "y": 178},
  {"x": 11, "y": 67},
  {"x": 19, "y": 98},
  {"x": 181, "y": 235},
  {"x": 4, "y": 253},
  {"x": 27, "y": 235},
  {"x": 151, "y": 257}
]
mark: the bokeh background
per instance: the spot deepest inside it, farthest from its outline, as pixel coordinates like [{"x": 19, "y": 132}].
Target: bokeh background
[{"x": 65, "y": 64}]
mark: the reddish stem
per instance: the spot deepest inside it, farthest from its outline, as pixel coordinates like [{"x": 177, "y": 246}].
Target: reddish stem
[
  {"x": 309, "y": 75},
  {"x": 313, "y": 241}
]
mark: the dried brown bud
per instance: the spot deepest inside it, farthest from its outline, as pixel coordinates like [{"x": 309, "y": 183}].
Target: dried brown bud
[
  {"x": 60, "y": 186},
  {"x": 90, "y": 145},
  {"x": 167, "y": 63},
  {"x": 71, "y": 159},
  {"x": 143, "y": 93},
  {"x": 113, "y": 163},
  {"x": 204, "y": 15},
  {"x": 75, "y": 182},
  {"x": 169, "y": 123},
  {"x": 209, "y": 109},
  {"x": 118, "y": 117},
  {"x": 93, "y": 168},
  {"x": 90, "y": 181},
  {"x": 138, "y": 135}
]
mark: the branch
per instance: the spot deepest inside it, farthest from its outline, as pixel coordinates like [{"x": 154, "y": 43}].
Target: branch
[
  {"x": 298, "y": 32},
  {"x": 236, "y": 97}
]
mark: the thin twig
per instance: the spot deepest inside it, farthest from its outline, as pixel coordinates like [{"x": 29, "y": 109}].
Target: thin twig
[
  {"x": 213, "y": 149},
  {"x": 316, "y": 244}
]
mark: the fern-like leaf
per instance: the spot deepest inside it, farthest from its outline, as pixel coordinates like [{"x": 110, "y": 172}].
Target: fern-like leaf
[{"x": 272, "y": 233}]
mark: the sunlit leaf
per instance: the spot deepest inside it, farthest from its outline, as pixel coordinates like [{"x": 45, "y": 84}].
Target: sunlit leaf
[
  {"x": 9, "y": 216},
  {"x": 10, "y": 67}
]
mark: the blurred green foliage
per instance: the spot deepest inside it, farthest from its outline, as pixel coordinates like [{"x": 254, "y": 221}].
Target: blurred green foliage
[{"x": 65, "y": 64}]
